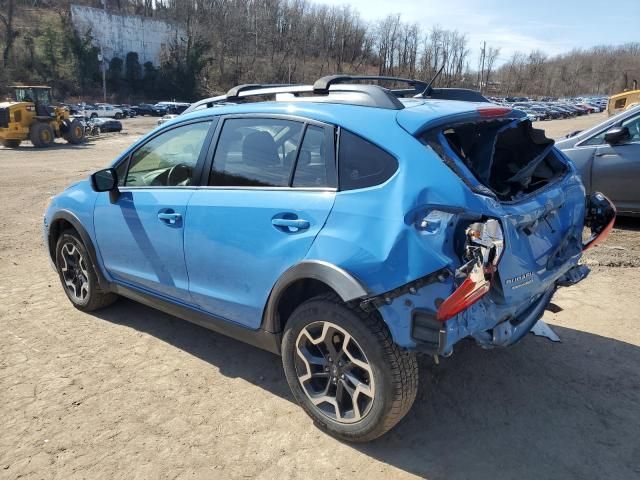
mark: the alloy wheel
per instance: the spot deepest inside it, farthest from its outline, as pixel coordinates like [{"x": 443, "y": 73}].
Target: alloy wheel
[
  {"x": 74, "y": 272},
  {"x": 334, "y": 372}
]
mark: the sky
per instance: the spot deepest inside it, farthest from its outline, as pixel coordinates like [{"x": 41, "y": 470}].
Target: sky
[{"x": 553, "y": 26}]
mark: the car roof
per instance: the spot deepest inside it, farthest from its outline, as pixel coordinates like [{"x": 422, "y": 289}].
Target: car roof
[{"x": 416, "y": 114}]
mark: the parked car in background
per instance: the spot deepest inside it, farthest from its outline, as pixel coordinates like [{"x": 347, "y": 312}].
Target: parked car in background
[
  {"x": 173, "y": 107},
  {"x": 166, "y": 118},
  {"x": 143, "y": 109},
  {"x": 159, "y": 110},
  {"x": 305, "y": 225},
  {"x": 103, "y": 111},
  {"x": 106, "y": 124},
  {"x": 127, "y": 111},
  {"x": 607, "y": 157}
]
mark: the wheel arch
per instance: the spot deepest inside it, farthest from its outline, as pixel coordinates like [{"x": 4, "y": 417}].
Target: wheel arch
[
  {"x": 303, "y": 281},
  {"x": 63, "y": 220}
]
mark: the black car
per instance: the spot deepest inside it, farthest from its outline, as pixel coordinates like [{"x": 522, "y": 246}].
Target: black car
[
  {"x": 159, "y": 110},
  {"x": 127, "y": 110},
  {"x": 144, "y": 109},
  {"x": 107, "y": 124}
]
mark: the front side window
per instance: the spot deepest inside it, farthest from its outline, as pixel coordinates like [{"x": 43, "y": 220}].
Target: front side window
[
  {"x": 361, "y": 164},
  {"x": 255, "y": 152},
  {"x": 169, "y": 159},
  {"x": 633, "y": 124}
]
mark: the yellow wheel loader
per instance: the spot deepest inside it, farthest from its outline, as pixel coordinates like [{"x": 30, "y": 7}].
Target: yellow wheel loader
[{"x": 31, "y": 116}]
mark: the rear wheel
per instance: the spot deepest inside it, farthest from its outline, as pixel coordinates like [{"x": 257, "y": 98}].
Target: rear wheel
[
  {"x": 41, "y": 134},
  {"x": 11, "y": 143},
  {"x": 75, "y": 135},
  {"x": 345, "y": 371},
  {"x": 77, "y": 275}
]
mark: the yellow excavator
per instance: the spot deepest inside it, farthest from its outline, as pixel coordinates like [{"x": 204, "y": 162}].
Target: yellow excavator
[{"x": 31, "y": 116}]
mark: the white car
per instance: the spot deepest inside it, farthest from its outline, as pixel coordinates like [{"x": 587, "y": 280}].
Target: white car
[
  {"x": 166, "y": 118},
  {"x": 104, "y": 111}
]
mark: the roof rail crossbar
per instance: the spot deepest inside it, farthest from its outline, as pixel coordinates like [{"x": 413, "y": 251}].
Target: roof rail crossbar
[
  {"x": 323, "y": 84},
  {"x": 366, "y": 95},
  {"x": 237, "y": 90}
]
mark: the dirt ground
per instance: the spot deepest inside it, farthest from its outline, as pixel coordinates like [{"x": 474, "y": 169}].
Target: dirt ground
[{"x": 129, "y": 392}]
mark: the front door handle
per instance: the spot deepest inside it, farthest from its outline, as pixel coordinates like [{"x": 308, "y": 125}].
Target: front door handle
[
  {"x": 289, "y": 223},
  {"x": 170, "y": 218}
]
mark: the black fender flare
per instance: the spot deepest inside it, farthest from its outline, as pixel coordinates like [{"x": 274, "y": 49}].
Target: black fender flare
[
  {"x": 341, "y": 281},
  {"x": 86, "y": 240}
]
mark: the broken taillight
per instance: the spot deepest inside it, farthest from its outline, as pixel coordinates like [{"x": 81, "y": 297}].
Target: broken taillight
[
  {"x": 483, "y": 250},
  {"x": 474, "y": 287},
  {"x": 493, "y": 111}
]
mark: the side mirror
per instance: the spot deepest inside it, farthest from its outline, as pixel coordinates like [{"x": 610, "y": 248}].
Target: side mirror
[
  {"x": 105, "y": 180},
  {"x": 617, "y": 135}
]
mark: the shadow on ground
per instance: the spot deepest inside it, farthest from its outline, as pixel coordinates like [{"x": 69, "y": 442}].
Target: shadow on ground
[
  {"x": 537, "y": 410},
  {"x": 628, "y": 223}
]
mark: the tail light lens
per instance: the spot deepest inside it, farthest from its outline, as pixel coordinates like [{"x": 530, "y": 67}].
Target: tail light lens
[
  {"x": 483, "y": 250},
  {"x": 472, "y": 289}
]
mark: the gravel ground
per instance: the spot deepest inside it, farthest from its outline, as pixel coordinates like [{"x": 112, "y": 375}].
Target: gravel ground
[{"x": 129, "y": 392}]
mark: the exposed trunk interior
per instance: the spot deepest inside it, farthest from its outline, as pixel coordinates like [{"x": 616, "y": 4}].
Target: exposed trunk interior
[{"x": 509, "y": 157}]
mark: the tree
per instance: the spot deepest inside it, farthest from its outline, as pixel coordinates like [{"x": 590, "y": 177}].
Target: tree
[
  {"x": 133, "y": 71},
  {"x": 10, "y": 34},
  {"x": 114, "y": 73}
]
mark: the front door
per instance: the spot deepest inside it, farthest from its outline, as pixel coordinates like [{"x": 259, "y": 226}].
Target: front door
[
  {"x": 140, "y": 234},
  {"x": 271, "y": 188},
  {"x": 616, "y": 169}
]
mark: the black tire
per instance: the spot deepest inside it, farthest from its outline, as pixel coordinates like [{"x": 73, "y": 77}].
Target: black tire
[
  {"x": 75, "y": 133},
  {"x": 95, "y": 298},
  {"x": 118, "y": 116},
  {"x": 11, "y": 143},
  {"x": 94, "y": 115},
  {"x": 41, "y": 134},
  {"x": 395, "y": 371}
]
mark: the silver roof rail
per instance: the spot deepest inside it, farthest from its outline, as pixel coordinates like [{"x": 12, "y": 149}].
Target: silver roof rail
[
  {"x": 364, "y": 95},
  {"x": 341, "y": 89}
]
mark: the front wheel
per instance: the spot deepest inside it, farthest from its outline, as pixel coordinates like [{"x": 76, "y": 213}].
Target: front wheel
[
  {"x": 345, "y": 371},
  {"x": 77, "y": 275},
  {"x": 41, "y": 135},
  {"x": 75, "y": 134}
]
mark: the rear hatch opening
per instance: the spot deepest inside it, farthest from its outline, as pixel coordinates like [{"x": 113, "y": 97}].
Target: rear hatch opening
[{"x": 508, "y": 157}]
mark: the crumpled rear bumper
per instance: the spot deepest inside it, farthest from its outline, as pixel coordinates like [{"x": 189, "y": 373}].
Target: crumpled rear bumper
[
  {"x": 435, "y": 337},
  {"x": 501, "y": 325}
]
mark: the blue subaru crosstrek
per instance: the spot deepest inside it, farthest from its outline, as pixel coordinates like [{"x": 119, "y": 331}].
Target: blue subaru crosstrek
[{"x": 343, "y": 225}]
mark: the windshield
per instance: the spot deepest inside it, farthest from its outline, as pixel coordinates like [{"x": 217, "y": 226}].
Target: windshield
[{"x": 36, "y": 95}]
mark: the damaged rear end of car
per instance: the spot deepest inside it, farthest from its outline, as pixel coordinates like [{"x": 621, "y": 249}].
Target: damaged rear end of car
[{"x": 517, "y": 237}]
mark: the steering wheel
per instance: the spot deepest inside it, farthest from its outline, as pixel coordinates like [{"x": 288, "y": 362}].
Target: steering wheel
[{"x": 179, "y": 174}]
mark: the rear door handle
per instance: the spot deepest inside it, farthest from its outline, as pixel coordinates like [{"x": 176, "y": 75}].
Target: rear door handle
[
  {"x": 287, "y": 223},
  {"x": 170, "y": 218}
]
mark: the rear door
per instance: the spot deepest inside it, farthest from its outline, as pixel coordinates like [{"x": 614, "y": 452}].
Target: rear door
[{"x": 271, "y": 187}]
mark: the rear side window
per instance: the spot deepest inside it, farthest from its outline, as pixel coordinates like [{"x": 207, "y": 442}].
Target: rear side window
[{"x": 361, "y": 164}]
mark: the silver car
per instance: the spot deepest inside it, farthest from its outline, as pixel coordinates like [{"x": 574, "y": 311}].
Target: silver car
[{"x": 608, "y": 159}]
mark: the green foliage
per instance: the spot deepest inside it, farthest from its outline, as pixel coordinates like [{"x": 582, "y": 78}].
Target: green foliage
[
  {"x": 179, "y": 72},
  {"x": 114, "y": 73},
  {"x": 133, "y": 71}
]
